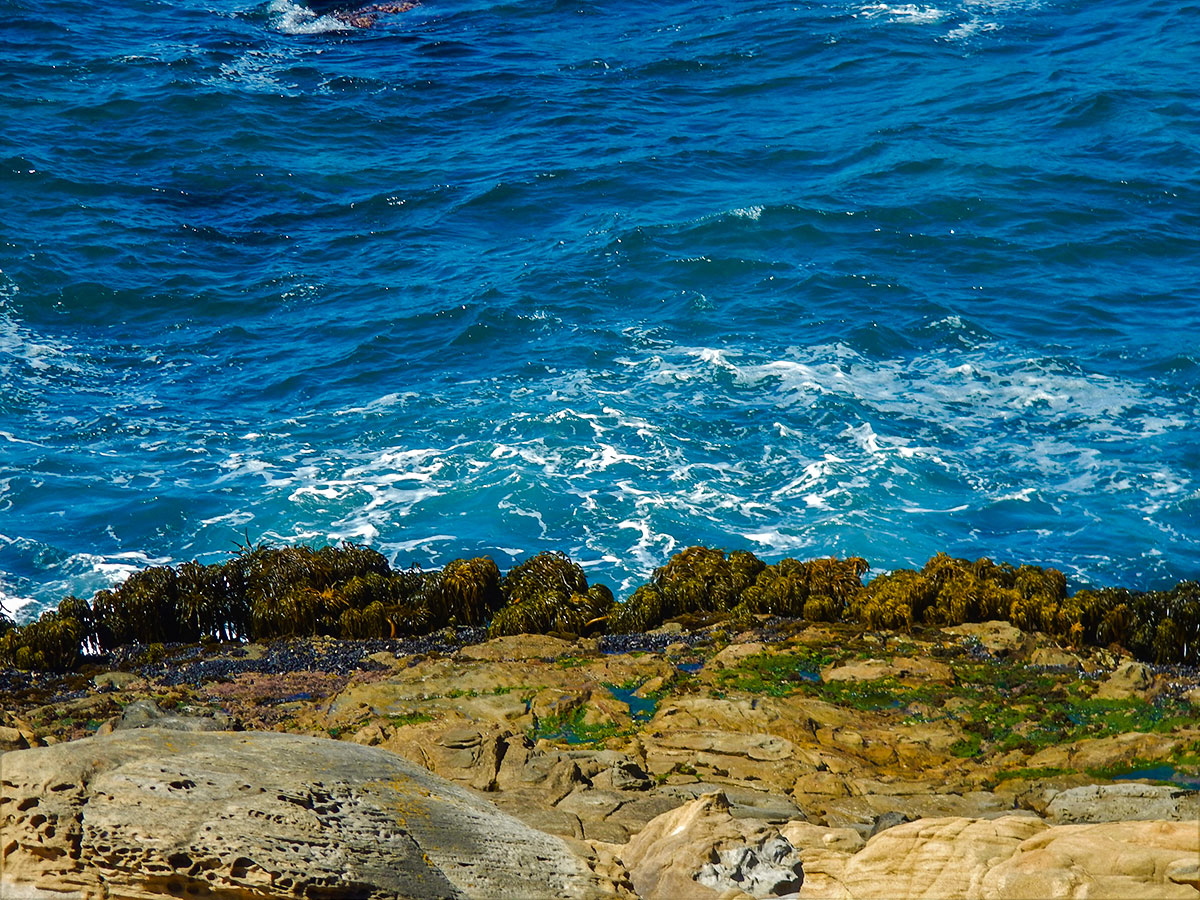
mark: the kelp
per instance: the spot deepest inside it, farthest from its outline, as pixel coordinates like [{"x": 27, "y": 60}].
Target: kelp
[
  {"x": 698, "y": 579},
  {"x": 816, "y": 590},
  {"x": 548, "y": 593},
  {"x": 143, "y": 610},
  {"x": 300, "y": 591},
  {"x": 465, "y": 592},
  {"x": 951, "y": 591},
  {"x": 52, "y": 643},
  {"x": 352, "y": 592}
]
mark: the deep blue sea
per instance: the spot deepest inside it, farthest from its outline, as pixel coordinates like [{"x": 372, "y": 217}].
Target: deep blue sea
[{"x": 603, "y": 276}]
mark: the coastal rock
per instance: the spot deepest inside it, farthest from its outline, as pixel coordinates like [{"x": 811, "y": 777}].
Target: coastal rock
[
  {"x": 1113, "y": 751},
  {"x": 1009, "y": 858},
  {"x": 917, "y": 669},
  {"x": 114, "y": 681},
  {"x": 146, "y": 714},
  {"x": 736, "y": 653},
  {"x": 12, "y": 739},
  {"x": 1129, "y": 860},
  {"x": 1055, "y": 657},
  {"x": 703, "y": 838},
  {"x": 769, "y": 869},
  {"x": 808, "y": 835},
  {"x": 1123, "y": 802},
  {"x": 146, "y": 812},
  {"x": 744, "y": 802},
  {"x": 519, "y": 646},
  {"x": 931, "y": 858},
  {"x": 996, "y": 637},
  {"x": 1130, "y": 679},
  {"x": 866, "y": 813}
]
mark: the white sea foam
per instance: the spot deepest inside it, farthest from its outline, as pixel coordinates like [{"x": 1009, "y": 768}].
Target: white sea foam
[
  {"x": 606, "y": 456},
  {"x": 294, "y": 18},
  {"x": 808, "y": 449},
  {"x": 10, "y": 603},
  {"x": 651, "y": 547},
  {"x": 381, "y": 404},
  {"x": 907, "y": 13},
  {"x": 754, "y": 213},
  {"x": 507, "y": 505},
  {"x": 1021, "y": 496},
  {"x": 12, "y": 439},
  {"x": 776, "y": 541},
  {"x": 236, "y": 518}
]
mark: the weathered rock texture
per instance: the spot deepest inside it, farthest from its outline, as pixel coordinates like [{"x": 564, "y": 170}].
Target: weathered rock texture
[
  {"x": 1123, "y": 802},
  {"x": 148, "y": 812},
  {"x": 1009, "y": 858},
  {"x": 701, "y": 850}
]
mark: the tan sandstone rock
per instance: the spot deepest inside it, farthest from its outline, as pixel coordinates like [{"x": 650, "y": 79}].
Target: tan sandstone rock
[
  {"x": 997, "y": 637},
  {"x": 1117, "y": 861},
  {"x": 700, "y": 851},
  {"x": 931, "y": 858},
  {"x": 1130, "y": 679},
  {"x": 916, "y": 669},
  {"x": 1130, "y": 801},
  {"x": 1008, "y": 858},
  {"x": 147, "y": 812},
  {"x": 518, "y": 646}
]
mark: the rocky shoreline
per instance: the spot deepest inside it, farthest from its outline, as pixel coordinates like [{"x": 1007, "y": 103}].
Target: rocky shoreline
[{"x": 790, "y": 758}]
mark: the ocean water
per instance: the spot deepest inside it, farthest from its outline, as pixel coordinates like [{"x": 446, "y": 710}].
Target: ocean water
[{"x": 607, "y": 277}]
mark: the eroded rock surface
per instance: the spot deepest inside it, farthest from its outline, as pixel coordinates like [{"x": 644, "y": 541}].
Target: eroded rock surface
[
  {"x": 701, "y": 850},
  {"x": 1123, "y": 802},
  {"x": 148, "y": 812},
  {"x": 1010, "y": 858}
]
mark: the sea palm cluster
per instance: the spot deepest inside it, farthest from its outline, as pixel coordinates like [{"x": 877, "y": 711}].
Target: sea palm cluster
[
  {"x": 550, "y": 594},
  {"x": 352, "y": 592}
]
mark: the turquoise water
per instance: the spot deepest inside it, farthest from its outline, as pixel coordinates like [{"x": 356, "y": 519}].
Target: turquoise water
[
  {"x": 641, "y": 709},
  {"x": 1168, "y": 773},
  {"x": 612, "y": 278}
]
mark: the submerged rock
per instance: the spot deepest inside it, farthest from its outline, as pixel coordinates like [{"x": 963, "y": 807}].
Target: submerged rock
[{"x": 146, "y": 812}]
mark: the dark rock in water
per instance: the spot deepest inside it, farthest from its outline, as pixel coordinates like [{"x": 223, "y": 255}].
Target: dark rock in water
[{"x": 359, "y": 16}]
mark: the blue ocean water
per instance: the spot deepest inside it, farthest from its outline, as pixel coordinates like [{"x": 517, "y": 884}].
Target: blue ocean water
[{"x": 613, "y": 278}]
